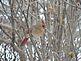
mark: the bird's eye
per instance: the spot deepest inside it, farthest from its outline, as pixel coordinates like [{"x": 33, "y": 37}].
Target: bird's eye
[{"x": 43, "y": 26}]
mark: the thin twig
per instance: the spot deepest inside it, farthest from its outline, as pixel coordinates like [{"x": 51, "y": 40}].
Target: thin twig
[
  {"x": 72, "y": 47},
  {"x": 5, "y": 11},
  {"x": 52, "y": 35},
  {"x": 5, "y": 32},
  {"x": 72, "y": 5},
  {"x": 35, "y": 48},
  {"x": 5, "y": 41}
]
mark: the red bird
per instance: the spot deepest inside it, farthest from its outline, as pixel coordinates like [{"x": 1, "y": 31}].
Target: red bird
[{"x": 37, "y": 30}]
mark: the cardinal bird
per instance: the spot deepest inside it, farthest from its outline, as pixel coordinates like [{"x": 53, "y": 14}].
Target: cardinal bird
[
  {"x": 24, "y": 41},
  {"x": 38, "y": 29}
]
